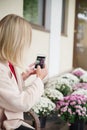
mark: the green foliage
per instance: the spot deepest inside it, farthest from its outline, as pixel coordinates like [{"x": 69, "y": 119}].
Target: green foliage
[{"x": 64, "y": 89}]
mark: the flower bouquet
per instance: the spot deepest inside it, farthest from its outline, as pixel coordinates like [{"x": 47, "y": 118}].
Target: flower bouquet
[
  {"x": 53, "y": 94},
  {"x": 78, "y": 72},
  {"x": 44, "y": 107},
  {"x": 63, "y": 85},
  {"x": 72, "y": 79},
  {"x": 80, "y": 91},
  {"x": 80, "y": 86},
  {"x": 72, "y": 108},
  {"x": 83, "y": 78}
]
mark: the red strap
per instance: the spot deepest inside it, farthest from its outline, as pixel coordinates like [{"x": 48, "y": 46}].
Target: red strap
[{"x": 12, "y": 70}]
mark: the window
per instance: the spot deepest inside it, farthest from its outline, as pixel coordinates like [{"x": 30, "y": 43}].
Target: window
[
  {"x": 64, "y": 24},
  {"x": 36, "y": 11}
]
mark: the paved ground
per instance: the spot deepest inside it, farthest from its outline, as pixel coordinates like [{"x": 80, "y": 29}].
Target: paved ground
[
  {"x": 57, "y": 124},
  {"x": 54, "y": 123}
]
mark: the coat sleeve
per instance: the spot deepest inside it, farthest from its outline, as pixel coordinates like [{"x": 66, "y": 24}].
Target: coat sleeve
[{"x": 12, "y": 99}]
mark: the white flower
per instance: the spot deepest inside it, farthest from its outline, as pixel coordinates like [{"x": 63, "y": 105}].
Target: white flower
[
  {"x": 71, "y": 78},
  {"x": 44, "y": 106},
  {"x": 83, "y": 78},
  {"x": 51, "y": 84},
  {"x": 81, "y": 92},
  {"x": 53, "y": 94},
  {"x": 63, "y": 82},
  {"x": 67, "y": 79}
]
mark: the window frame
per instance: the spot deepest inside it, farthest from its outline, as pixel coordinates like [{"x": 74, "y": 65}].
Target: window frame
[
  {"x": 64, "y": 21},
  {"x": 37, "y": 26}
]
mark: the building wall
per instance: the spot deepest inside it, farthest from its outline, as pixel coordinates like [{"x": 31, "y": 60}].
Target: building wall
[
  {"x": 11, "y": 6},
  {"x": 55, "y": 37},
  {"x": 39, "y": 46},
  {"x": 67, "y": 42}
]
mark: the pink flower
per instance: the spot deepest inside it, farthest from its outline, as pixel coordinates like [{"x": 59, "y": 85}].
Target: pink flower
[
  {"x": 80, "y": 85},
  {"x": 68, "y": 124},
  {"x": 69, "y": 110},
  {"x": 79, "y": 107},
  {"x": 73, "y": 103},
  {"x": 78, "y": 73},
  {"x": 72, "y": 107},
  {"x": 79, "y": 112}
]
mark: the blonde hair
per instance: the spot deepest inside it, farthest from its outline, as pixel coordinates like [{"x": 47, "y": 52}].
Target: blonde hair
[{"x": 15, "y": 38}]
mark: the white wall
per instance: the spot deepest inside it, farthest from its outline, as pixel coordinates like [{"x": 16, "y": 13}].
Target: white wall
[
  {"x": 39, "y": 45},
  {"x": 67, "y": 42},
  {"x": 11, "y": 6},
  {"x": 54, "y": 56},
  {"x": 61, "y": 47}
]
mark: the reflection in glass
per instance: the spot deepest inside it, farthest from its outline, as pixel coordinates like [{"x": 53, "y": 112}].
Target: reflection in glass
[
  {"x": 81, "y": 36},
  {"x": 33, "y": 11}
]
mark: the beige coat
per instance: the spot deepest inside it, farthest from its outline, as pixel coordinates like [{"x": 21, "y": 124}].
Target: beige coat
[{"x": 13, "y": 100}]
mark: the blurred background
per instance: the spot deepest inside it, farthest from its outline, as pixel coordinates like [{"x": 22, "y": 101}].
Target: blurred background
[{"x": 59, "y": 29}]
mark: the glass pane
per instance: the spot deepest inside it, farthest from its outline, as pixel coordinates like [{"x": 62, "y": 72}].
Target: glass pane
[
  {"x": 33, "y": 11},
  {"x": 81, "y": 37},
  {"x": 64, "y": 22}
]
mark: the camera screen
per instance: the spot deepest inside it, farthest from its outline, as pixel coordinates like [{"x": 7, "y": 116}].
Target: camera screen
[{"x": 40, "y": 61}]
